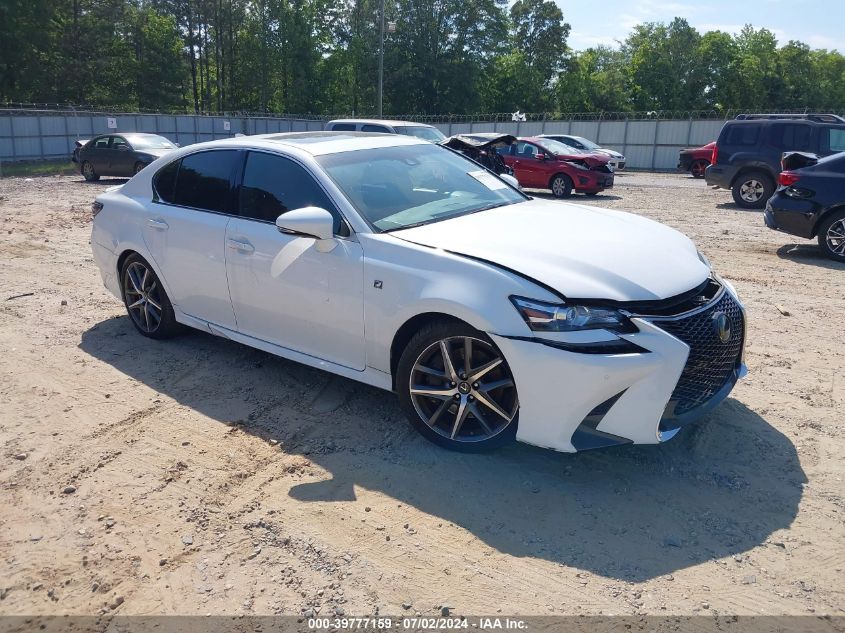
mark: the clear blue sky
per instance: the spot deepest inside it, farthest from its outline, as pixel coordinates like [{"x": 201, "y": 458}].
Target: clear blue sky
[{"x": 818, "y": 23}]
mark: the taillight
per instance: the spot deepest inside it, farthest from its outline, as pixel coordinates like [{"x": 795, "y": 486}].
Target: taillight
[
  {"x": 96, "y": 207},
  {"x": 715, "y": 155},
  {"x": 788, "y": 178}
]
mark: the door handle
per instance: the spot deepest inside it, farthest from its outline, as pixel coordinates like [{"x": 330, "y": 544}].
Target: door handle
[
  {"x": 160, "y": 225},
  {"x": 241, "y": 247}
]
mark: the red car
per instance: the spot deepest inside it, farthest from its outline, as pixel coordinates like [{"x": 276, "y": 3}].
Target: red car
[
  {"x": 543, "y": 163},
  {"x": 696, "y": 159}
]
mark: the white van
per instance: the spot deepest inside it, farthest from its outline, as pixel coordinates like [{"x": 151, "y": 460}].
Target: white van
[{"x": 420, "y": 130}]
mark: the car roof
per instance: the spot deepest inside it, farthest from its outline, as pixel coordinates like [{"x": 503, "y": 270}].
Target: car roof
[
  {"x": 389, "y": 122},
  {"x": 315, "y": 143}
]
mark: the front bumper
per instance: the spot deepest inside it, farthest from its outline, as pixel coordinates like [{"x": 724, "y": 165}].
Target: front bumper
[{"x": 572, "y": 401}]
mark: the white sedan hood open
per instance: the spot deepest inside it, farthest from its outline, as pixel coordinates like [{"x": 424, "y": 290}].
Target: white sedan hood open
[{"x": 582, "y": 252}]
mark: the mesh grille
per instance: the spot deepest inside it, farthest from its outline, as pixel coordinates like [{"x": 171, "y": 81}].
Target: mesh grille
[{"x": 711, "y": 363}]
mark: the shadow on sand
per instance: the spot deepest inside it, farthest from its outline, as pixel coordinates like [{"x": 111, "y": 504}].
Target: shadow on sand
[{"x": 632, "y": 513}]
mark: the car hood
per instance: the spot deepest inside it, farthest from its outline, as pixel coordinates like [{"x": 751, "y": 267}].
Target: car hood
[
  {"x": 581, "y": 252},
  {"x": 611, "y": 153}
]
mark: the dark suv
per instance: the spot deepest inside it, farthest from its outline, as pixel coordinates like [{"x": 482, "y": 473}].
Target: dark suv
[{"x": 747, "y": 155}]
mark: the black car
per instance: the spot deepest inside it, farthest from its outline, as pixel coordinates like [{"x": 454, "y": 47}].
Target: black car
[
  {"x": 119, "y": 154},
  {"x": 810, "y": 201},
  {"x": 747, "y": 156}
]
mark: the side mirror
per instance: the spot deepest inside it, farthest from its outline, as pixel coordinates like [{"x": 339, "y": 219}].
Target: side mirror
[
  {"x": 513, "y": 182},
  {"x": 540, "y": 156},
  {"x": 308, "y": 221}
]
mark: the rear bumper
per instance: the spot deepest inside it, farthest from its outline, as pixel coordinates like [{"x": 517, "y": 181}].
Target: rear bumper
[
  {"x": 106, "y": 261},
  {"x": 719, "y": 176},
  {"x": 791, "y": 215}
]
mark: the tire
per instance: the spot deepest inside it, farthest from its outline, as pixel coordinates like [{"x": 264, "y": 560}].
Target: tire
[
  {"x": 138, "y": 167},
  {"x": 88, "y": 172},
  {"x": 147, "y": 304},
  {"x": 446, "y": 406},
  {"x": 561, "y": 186},
  {"x": 698, "y": 167},
  {"x": 752, "y": 189},
  {"x": 832, "y": 236}
]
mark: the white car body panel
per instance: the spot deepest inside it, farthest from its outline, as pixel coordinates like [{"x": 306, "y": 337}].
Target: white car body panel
[
  {"x": 282, "y": 285},
  {"x": 338, "y": 304},
  {"x": 555, "y": 242}
]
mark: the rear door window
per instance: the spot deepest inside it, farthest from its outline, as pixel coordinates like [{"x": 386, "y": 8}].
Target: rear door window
[
  {"x": 833, "y": 140},
  {"x": 203, "y": 180},
  {"x": 742, "y": 134},
  {"x": 369, "y": 127},
  {"x": 792, "y": 137},
  {"x": 343, "y": 127}
]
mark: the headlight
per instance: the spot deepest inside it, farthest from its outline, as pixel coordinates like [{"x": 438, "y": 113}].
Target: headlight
[
  {"x": 551, "y": 317},
  {"x": 704, "y": 260}
]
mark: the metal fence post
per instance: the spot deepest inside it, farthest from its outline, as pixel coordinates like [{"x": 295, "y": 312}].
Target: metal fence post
[
  {"x": 625, "y": 140},
  {"x": 654, "y": 145},
  {"x": 40, "y": 135}
]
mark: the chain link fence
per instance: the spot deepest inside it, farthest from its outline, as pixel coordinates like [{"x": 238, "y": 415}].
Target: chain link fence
[{"x": 649, "y": 140}]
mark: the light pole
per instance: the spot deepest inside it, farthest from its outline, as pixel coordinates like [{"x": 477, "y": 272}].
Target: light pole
[{"x": 380, "y": 55}]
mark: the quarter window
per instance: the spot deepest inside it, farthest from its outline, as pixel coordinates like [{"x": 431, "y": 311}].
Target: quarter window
[
  {"x": 837, "y": 140},
  {"x": 164, "y": 182},
  {"x": 203, "y": 180},
  {"x": 273, "y": 185}
]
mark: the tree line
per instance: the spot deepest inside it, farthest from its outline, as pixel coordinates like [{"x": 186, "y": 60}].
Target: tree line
[{"x": 444, "y": 56}]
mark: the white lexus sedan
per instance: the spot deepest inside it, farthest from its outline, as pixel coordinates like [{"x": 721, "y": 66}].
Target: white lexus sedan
[{"x": 403, "y": 265}]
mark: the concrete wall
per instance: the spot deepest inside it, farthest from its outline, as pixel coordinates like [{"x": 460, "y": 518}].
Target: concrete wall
[{"x": 647, "y": 144}]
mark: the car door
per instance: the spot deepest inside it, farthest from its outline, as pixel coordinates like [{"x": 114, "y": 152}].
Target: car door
[
  {"x": 121, "y": 156},
  {"x": 290, "y": 290},
  {"x": 99, "y": 155},
  {"x": 526, "y": 167},
  {"x": 185, "y": 232}
]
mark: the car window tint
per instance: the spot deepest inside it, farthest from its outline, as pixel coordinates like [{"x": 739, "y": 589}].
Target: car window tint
[
  {"x": 526, "y": 150},
  {"x": 273, "y": 185},
  {"x": 792, "y": 137},
  {"x": 742, "y": 134},
  {"x": 836, "y": 140},
  {"x": 203, "y": 180},
  {"x": 368, "y": 127},
  {"x": 343, "y": 127},
  {"x": 164, "y": 182},
  {"x": 102, "y": 143}
]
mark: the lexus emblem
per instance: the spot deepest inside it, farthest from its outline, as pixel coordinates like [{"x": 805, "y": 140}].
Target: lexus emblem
[{"x": 722, "y": 326}]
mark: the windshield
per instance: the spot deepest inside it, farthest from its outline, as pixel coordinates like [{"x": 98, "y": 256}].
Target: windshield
[
  {"x": 150, "y": 142},
  {"x": 586, "y": 143},
  {"x": 426, "y": 133},
  {"x": 399, "y": 187},
  {"x": 556, "y": 147}
]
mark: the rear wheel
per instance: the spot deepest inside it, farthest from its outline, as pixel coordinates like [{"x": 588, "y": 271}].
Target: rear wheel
[
  {"x": 146, "y": 301},
  {"x": 752, "y": 189},
  {"x": 561, "y": 186},
  {"x": 698, "y": 167},
  {"x": 457, "y": 389},
  {"x": 832, "y": 236},
  {"x": 88, "y": 172}
]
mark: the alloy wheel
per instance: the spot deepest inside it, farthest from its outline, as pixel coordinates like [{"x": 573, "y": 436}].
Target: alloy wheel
[
  {"x": 143, "y": 296},
  {"x": 698, "y": 169},
  {"x": 835, "y": 237},
  {"x": 751, "y": 190},
  {"x": 558, "y": 186},
  {"x": 88, "y": 170},
  {"x": 463, "y": 390}
]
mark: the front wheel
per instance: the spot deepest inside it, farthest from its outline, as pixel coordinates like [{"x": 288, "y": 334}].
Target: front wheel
[
  {"x": 457, "y": 389},
  {"x": 561, "y": 186},
  {"x": 832, "y": 236},
  {"x": 751, "y": 190},
  {"x": 146, "y": 301}
]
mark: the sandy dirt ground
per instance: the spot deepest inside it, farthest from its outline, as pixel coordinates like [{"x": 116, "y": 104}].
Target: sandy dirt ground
[{"x": 199, "y": 476}]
